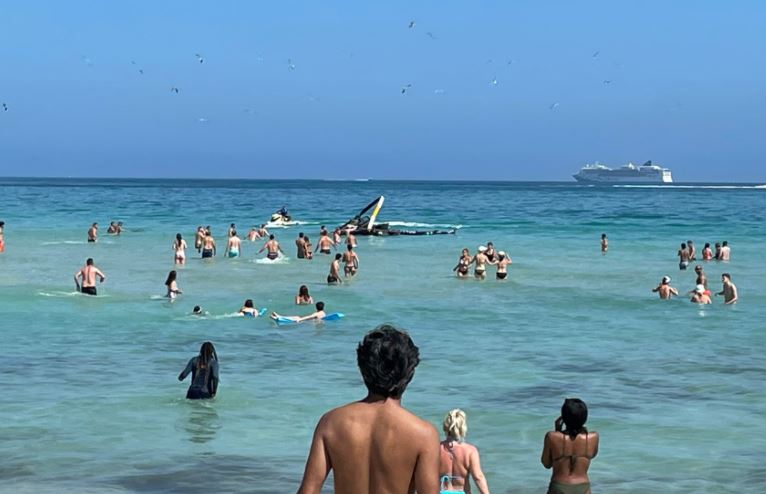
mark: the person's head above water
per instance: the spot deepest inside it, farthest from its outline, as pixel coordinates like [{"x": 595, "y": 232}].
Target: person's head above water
[
  {"x": 725, "y": 243},
  {"x": 249, "y": 303},
  {"x": 387, "y": 359},
  {"x": 207, "y": 353},
  {"x": 303, "y": 291},
  {"x": 319, "y": 306},
  {"x": 683, "y": 245},
  {"x": 171, "y": 278},
  {"x": 455, "y": 425},
  {"x": 665, "y": 280},
  {"x": 707, "y": 245},
  {"x": 89, "y": 262},
  {"x": 271, "y": 237},
  {"x": 300, "y": 235},
  {"x": 725, "y": 277},
  {"x": 698, "y": 268},
  {"x": 574, "y": 413},
  {"x": 349, "y": 247},
  {"x": 234, "y": 233},
  {"x": 197, "y": 310},
  {"x": 603, "y": 235},
  {"x": 178, "y": 236},
  {"x": 338, "y": 257},
  {"x": 501, "y": 255}
]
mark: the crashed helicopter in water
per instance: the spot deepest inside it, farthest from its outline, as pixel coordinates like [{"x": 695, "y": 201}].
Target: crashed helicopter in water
[{"x": 368, "y": 225}]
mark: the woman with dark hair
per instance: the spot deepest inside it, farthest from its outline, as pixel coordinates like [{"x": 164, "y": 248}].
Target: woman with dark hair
[
  {"x": 248, "y": 309},
  {"x": 569, "y": 451},
  {"x": 303, "y": 297},
  {"x": 462, "y": 264},
  {"x": 170, "y": 283},
  {"x": 204, "y": 371},
  {"x": 179, "y": 247}
]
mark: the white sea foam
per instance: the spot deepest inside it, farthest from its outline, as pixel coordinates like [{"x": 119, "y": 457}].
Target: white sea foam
[
  {"x": 279, "y": 260},
  {"x": 414, "y": 224}
]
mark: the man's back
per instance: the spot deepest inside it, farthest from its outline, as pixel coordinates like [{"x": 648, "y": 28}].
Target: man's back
[{"x": 378, "y": 447}]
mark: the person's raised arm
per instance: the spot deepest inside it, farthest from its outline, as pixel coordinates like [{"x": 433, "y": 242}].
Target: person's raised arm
[
  {"x": 318, "y": 464},
  {"x": 673, "y": 291},
  {"x": 734, "y": 295},
  {"x": 656, "y": 289},
  {"x": 186, "y": 370},
  {"x": 477, "y": 474},
  {"x": 427, "y": 467}
]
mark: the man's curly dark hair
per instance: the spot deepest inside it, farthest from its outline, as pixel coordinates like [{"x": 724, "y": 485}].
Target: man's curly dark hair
[{"x": 387, "y": 358}]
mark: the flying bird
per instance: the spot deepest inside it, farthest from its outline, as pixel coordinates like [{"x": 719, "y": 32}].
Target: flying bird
[
  {"x": 607, "y": 81},
  {"x": 141, "y": 71},
  {"x": 430, "y": 35},
  {"x": 199, "y": 57},
  {"x": 5, "y": 107},
  {"x": 554, "y": 106},
  {"x": 405, "y": 88},
  {"x": 494, "y": 81},
  {"x": 438, "y": 91},
  {"x": 174, "y": 90},
  {"x": 412, "y": 24},
  {"x": 290, "y": 64},
  {"x": 595, "y": 54}
]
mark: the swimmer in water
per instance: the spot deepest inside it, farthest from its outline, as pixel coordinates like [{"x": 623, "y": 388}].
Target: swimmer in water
[
  {"x": 692, "y": 250},
  {"x": 233, "y": 245},
  {"x": 262, "y": 231},
  {"x": 664, "y": 289},
  {"x": 351, "y": 239},
  {"x": 336, "y": 236},
  {"x": 325, "y": 243},
  {"x": 457, "y": 458},
  {"x": 462, "y": 263},
  {"x": 272, "y": 247},
  {"x": 303, "y": 297},
  {"x": 197, "y": 311},
  {"x": 112, "y": 228},
  {"x": 253, "y": 235},
  {"x": 93, "y": 233},
  {"x": 725, "y": 251},
  {"x": 683, "y": 257},
  {"x": 701, "y": 278},
  {"x": 707, "y": 254},
  {"x": 300, "y": 245},
  {"x": 2, "y": 236},
  {"x": 88, "y": 274},
  {"x": 179, "y": 248},
  {"x": 199, "y": 238},
  {"x": 334, "y": 276},
  {"x": 208, "y": 245},
  {"x": 604, "y": 243},
  {"x": 729, "y": 291},
  {"x": 717, "y": 255},
  {"x": 307, "y": 245},
  {"x": 351, "y": 261},
  {"x": 480, "y": 260},
  {"x": 232, "y": 230},
  {"x": 172, "y": 286},
  {"x": 204, "y": 371},
  {"x": 490, "y": 252},
  {"x": 699, "y": 296},
  {"x": 316, "y": 315},
  {"x": 119, "y": 227},
  {"x": 248, "y": 309},
  {"x": 502, "y": 263}
]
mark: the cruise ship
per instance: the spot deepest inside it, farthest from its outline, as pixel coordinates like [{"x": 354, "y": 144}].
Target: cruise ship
[{"x": 630, "y": 173}]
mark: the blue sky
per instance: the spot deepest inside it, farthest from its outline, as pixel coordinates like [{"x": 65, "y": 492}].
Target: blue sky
[{"x": 687, "y": 89}]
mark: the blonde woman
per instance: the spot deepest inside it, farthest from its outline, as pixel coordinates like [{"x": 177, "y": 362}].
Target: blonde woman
[{"x": 458, "y": 458}]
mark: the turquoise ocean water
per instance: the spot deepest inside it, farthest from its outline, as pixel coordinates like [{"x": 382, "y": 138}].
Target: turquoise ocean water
[{"x": 90, "y": 400}]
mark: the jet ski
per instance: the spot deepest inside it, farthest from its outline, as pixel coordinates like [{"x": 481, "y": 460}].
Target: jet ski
[
  {"x": 281, "y": 218},
  {"x": 366, "y": 225}
]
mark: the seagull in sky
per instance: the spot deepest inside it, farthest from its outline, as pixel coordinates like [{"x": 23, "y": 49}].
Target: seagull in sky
[
  {"x": 412, "y": 24},
  {"x": 430, "y": 35},
  {"x": 290, "y": 64},
  {"x": 405, "y": 88},
  {"x": 174, "y": 90},
  {"x": 607, "y": 81},
  {"x": 5, "y": 107},
  {"x": 494, "y": 81},
  {"x": 554, "y": 106},
  {"x": 595, "y": 54},
  {"x": 140, "y": 71},
  {"x": 199, "y": 57}
]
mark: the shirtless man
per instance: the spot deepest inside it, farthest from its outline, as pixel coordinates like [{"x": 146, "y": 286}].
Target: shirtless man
[
  {"x": 272, "y": 247},
  {"x": 88, "y": 274},
  {"x": 350, "y": 239},
  {"x": 334, "y": 276},
  {"x": 350, "y": 261},
  {"x": 375, "y": 445},
  {"x": 300, "y": 245},
  {"x": 322, "y": 230},
  {"x": 2, "y": 236},
  {"x": 112, "y": 228},
  {"x": 604, "y": 243},
  {"x": 701, "y": 278},
  {"x": 233, "y": 245},
  {"x": 692, "y": 250},
  {"x": 199, "y": 238},
  {"x": 119, "y": 227},
  {"x": 324, "y": 244},
  {"x": 699, "y": 296},
  {"x": 725, "y": 251},
  {"x": 262, "y": 231},
  {"x": 729, "y": 291},
  {"x": 480, "y": 260},
  {"x": 208, "y": 245},
  {"x": 336, "y": 236},
  {"x": 317, "y": 315},
  {"x": 683, "y": 257},
  {"x": 664, "y": 289},
  {"x": 253, "y": 235},
  {"x": 93, "y": 232}
]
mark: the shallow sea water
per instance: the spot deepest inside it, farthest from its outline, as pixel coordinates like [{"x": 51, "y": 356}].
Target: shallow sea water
[{"x": 91, "y": 401}]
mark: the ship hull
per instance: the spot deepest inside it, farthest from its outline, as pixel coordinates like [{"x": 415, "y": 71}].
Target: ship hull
[{"x": 622, "y": 180}]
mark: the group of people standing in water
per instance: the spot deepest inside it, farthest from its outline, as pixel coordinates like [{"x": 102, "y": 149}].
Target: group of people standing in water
[{"x": 485, "y": 255}]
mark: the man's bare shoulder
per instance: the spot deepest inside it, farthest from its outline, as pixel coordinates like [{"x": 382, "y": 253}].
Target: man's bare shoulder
[{"x": 360, "y": 411}]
